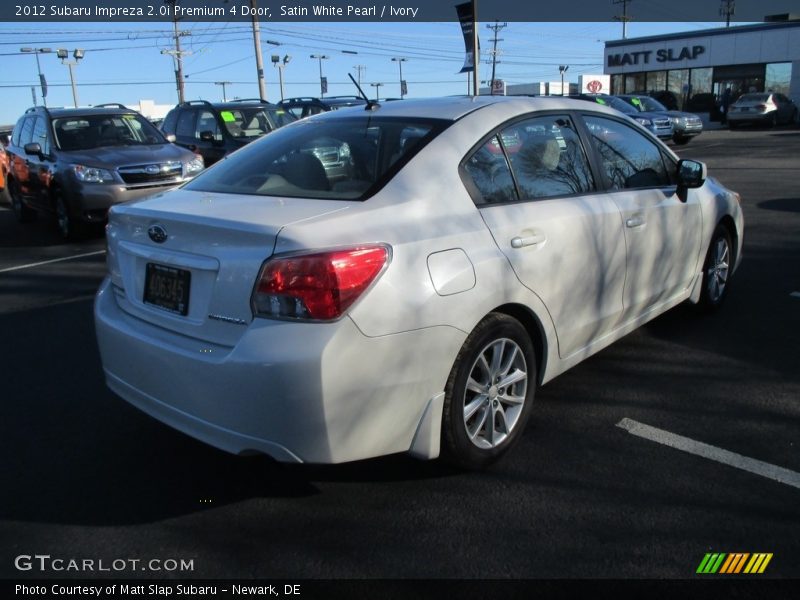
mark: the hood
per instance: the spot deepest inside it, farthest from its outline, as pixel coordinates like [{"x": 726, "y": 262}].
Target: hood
[{"x": 112, "y": 157}]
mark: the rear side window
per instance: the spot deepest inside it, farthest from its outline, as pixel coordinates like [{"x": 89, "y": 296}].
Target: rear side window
[
  {"x": 185, "y": 126},
  {"x": 168, "y": 126},
  {"x": 490, "y": 175},
  {"x": 630, "y": 159},
  {"x": 332, "y": 159},
  {"x": 547, "y": 158}
]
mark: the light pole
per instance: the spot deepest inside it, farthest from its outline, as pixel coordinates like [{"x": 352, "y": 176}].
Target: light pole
[
  {"x": 377, "y": 87},
  {"x": 42, "y": 80},
  {"x": 323, "y": 83},
  {"x": 223, "y": 84},
  {"x": 276, "y": 62},
  {"x": 562, "y": 69},
  {"x": 77, "y": 54},
  {"x": 400, "y": 60}
]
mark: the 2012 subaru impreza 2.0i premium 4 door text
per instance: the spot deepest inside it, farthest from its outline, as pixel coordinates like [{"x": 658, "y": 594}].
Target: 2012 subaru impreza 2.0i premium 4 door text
[{"x": 475, "y": 249}]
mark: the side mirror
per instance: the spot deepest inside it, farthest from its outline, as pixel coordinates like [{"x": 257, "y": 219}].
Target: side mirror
[
  {"x": 691, "y": 174},
  {"x": 207, "y": 136},
  {"x": 33, "y": 148},
  {"x": 171, "y": 138}
]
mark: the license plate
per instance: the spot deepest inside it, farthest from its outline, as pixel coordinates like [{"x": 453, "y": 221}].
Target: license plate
[{"x": 167, "y": 288}]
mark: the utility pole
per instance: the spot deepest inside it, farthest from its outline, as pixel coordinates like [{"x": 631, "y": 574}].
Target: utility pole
[
  {"x": 42, "y": 80},
  {"x": 276, "y": 62},
  {"x": 177, "y": 54},
  {"x": 496, "y": 28},
  {"x": 400, "y": 60},
  {"x": 476, "y": 58},
  {"x": 377, "y": 87},
  {"x": 623, "y": 17},
  {"x": 223, "y": 84},
  {"x": 727, "y": 10},
  {"x": 262, "y": 86},
  {"x": 563, "y": 69},
  {"x": 359, "y": 69}
]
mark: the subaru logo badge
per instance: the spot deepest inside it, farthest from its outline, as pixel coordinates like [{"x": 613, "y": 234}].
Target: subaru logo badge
[
  {"x": 158, "y": 234},
  {"x": 152, "y": 169}
]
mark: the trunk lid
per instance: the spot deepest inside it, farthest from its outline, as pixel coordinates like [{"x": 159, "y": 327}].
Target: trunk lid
[{"x": 213, "y": 248}]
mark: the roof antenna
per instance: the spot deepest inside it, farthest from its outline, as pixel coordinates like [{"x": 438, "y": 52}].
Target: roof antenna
[{"x": 371, "y": 104}]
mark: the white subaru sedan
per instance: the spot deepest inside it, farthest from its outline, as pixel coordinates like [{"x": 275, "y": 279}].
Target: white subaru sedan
[{"x": 468, "y": 251}]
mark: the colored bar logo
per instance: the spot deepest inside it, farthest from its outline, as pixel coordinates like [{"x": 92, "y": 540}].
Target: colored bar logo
[{"x": 734, "y": 563}]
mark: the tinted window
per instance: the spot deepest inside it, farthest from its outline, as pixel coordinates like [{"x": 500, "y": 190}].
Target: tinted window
[
  {"x": 170, "y": 121},
  {"x": 17, "y": 131},
  {"x": 253, "y": 121},
  {"x": 40, "y": 135},
  {"x": 490, "y": 175},
  {"x": 338, "y": 159},
  {"x": 547, "y": 158},
  {"x": 26, "y": 132},
  {"x": 630, "y": 159},
  {"x": 185, "y": 126}
]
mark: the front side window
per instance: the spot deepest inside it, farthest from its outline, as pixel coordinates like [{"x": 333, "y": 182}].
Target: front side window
[
  {"x": 206, "y": 121},
  {"x": 347, "y": 158},
  {"x": 250, "y": 122},
  {"x": 628, "y": 157},
  {"x": 26, "y": 131},
  {"x": 85, "y": 132},
  {"x": 185, "y": 126},
  {"x": 40, "y": 135},
  {"x": 547, "y": 158}
]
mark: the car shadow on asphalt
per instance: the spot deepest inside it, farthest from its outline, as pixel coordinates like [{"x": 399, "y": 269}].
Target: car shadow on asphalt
[
  {"x": 75, "y": 453},
  {"x": 38, "y": 234}
]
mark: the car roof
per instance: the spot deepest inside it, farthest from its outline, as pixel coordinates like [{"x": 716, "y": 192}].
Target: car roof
[
  {"x": 453, "y": 108},
  {"x": 231, "y": 104},
  {"x": 81, "y": 112}
]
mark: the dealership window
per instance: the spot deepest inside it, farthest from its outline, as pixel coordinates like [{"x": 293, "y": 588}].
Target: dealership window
[
  {"x": 634, "y": 82},
  {"x": 618, "y": 84},
  {"x": 701, "y": 81},
  {"x": 656, "y": 81},
  {"x": 777, "y": 78},
  {"x": 678, "y": 84}
]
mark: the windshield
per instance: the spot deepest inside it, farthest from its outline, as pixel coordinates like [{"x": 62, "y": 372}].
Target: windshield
[
  {"x": 250, "y": 122},
  {"x": 340, "y": 158},
  {"x": 647, "y": 104},
  {"x": 85, "y": 132}
]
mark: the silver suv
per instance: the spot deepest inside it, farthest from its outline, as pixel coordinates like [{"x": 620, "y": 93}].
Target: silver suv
[{"x": 77, "y": 163}]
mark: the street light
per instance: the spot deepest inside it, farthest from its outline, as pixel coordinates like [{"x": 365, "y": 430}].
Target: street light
[
  {"x": 276, "y": 62},
  {"x": 77, "y": 54},
  {"x": 377, "y": 87},
  {"x": 42, "y": 80},
  {"x": 323, "y": 83},
  {"x": 400, "y": 60},
  {"x": 562, "y": 69},
  {"x": 223, "y": 84}
]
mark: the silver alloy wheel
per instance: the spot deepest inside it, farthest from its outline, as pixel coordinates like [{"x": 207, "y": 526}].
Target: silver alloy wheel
[
  {"x": 718, "y": 269},
  {"x": 495, "y": 393}
]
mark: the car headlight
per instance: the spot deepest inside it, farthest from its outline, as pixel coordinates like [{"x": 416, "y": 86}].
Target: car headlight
[
  {"x": 92, "y": 174},
  {"x": 645, "y": 122},
  {"x": 195, "y": 165}
]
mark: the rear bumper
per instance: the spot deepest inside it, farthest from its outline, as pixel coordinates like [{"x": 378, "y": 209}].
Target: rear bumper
[{"x": 299, "y": 392}]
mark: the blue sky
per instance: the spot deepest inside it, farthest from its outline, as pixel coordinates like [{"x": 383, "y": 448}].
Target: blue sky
[{"x": 123, "y": 61}]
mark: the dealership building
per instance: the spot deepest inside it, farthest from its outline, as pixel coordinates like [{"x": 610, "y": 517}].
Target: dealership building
[{"x": 748, "y": 58}]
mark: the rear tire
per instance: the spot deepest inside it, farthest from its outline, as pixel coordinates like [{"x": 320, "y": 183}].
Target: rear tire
[
  {"x": 717, "y": 270},
  {"x": 489, "y": 394},
  {"x": 682, "y": 141}
]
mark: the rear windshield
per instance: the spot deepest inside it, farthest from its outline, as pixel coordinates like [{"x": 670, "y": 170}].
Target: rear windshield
[
  {"x": 343, "y": 158},
  {"x": 754, "y": 98},
  {"x": 250, "y": 122},
  {"x": 85, "y": 132}
]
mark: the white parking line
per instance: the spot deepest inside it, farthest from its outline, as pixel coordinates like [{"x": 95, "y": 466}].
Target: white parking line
[
  {"x": 725, "y": 457},
  {"x": 54, "y": 260}
]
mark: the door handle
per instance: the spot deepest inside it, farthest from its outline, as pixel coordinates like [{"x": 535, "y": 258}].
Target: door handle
[
  {"x": 635, "y": 221},
  {"x": 531, "y": 240}
]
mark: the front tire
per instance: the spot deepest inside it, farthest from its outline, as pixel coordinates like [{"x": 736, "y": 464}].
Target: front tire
[
  {"x": 489, "y": 394},
  {"x": 682, "y": 141},
  {"x": 717, "y": 270},
  {"x": 70, "y": 229}
]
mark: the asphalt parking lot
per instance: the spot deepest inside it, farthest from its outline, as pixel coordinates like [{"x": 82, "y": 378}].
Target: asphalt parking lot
[{"x": 85, "y": 475}]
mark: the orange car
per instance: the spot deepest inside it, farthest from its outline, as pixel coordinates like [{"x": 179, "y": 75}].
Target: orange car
[{"x": 3, "y": 167}]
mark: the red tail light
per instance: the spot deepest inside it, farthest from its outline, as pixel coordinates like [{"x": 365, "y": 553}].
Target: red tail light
[
  {"x": 318, "y": 286},
  {"x": 761, "y": 107}
]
